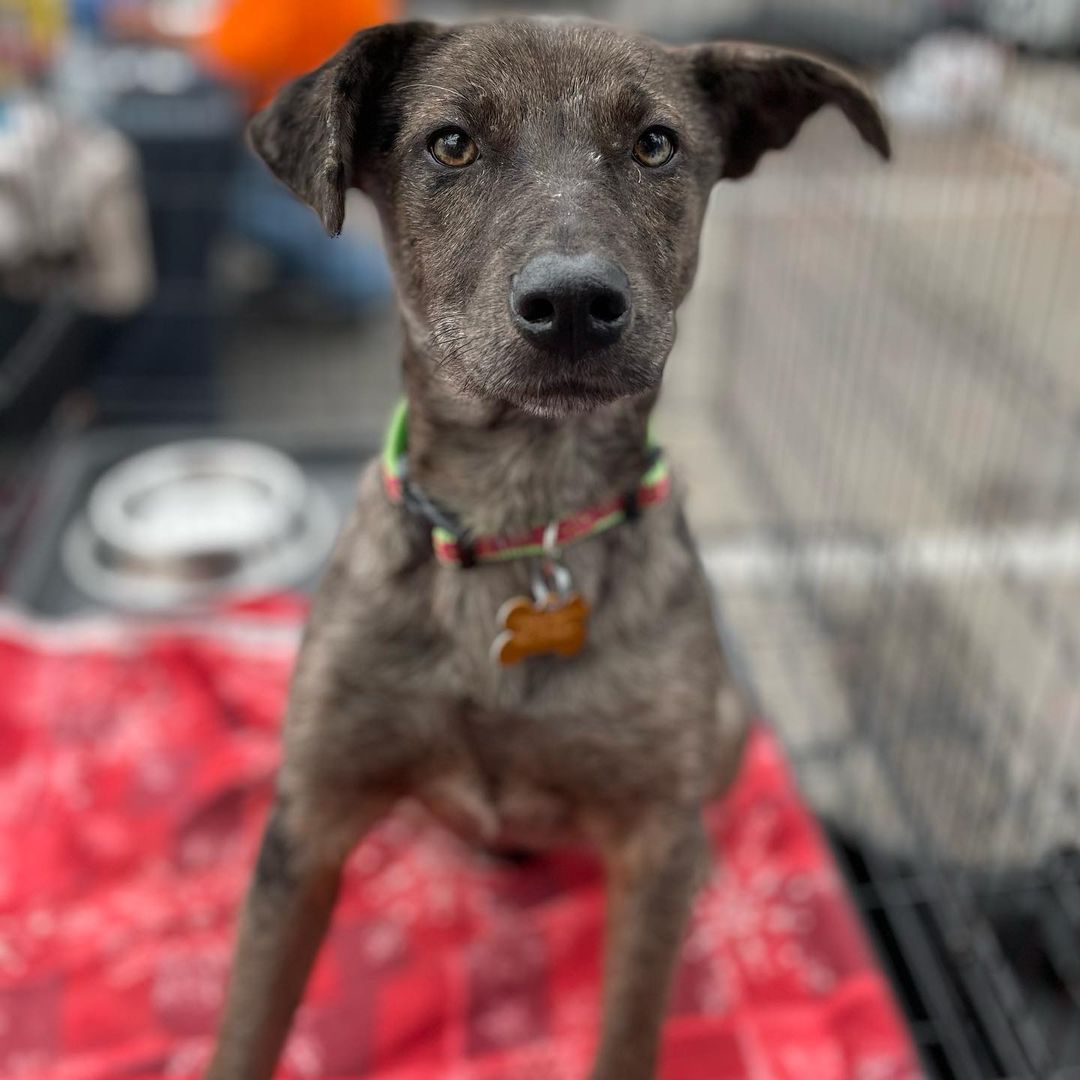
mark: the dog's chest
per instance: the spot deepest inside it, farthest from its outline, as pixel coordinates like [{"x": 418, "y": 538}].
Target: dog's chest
[{"x": 532, "y": 774}]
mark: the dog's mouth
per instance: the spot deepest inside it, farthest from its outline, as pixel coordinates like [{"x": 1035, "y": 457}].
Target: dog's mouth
[
  {"x": 556, "y": 388},
  {"x": 559, "y": 395},
  {"x": 564, "y": 400}
]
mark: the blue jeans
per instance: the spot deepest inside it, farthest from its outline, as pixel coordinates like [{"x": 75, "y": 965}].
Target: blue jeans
[{"x": 348, "y": 269}]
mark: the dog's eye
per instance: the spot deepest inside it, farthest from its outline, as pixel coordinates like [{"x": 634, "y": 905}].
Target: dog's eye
[
  {"x": 453, "y": 148},
  {"x": 656, "y": 147}
]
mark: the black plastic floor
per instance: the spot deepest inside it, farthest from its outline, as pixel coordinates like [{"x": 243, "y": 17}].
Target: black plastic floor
[{"x": 986, "y": 970}]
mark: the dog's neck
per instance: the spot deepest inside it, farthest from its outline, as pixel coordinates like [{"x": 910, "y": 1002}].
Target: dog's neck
[{"x": 500, "y": 469}]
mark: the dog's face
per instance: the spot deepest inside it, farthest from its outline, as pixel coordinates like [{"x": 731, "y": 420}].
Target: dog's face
[{"x": 541, "y": 185}]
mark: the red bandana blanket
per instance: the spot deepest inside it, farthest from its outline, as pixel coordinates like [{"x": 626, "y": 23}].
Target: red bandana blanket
[{"x": 135, "y": 767}]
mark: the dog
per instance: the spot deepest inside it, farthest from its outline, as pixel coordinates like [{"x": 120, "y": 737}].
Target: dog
[{"x": 541, "y": 187}]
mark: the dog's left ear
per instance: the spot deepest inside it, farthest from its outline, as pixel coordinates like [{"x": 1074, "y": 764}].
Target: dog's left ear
[
  {"x": 312, "y": 135},
  {"x": 759, "y": 97}
]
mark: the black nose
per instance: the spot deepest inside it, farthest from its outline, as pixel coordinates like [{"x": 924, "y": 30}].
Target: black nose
[{"x": 570, "y": 303}]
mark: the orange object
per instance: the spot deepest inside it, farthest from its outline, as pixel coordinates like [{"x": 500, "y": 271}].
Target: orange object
[
  {"x": 532, "y": 629},
  {"x": 261, "y": 44}
]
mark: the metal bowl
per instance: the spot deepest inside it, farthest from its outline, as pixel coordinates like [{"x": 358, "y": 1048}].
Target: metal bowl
[{"x": 188, "y": 522}]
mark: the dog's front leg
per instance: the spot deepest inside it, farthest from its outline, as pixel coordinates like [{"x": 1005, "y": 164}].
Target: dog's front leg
[
  {"x": 653, "y": 871},
  {"x": 285, "y": 917}
]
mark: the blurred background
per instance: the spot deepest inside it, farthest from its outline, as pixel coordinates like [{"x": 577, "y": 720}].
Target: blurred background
[{"x": 875, "y": 400}]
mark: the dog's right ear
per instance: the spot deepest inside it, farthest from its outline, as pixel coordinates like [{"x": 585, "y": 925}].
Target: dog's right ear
[{"x": 308, "y": 135}]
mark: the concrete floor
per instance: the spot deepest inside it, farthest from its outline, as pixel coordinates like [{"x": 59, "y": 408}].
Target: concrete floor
[{"x": 872, "y": 358}]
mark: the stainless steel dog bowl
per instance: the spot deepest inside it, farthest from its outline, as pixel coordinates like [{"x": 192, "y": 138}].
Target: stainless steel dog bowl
[{"x": 189, "y": 521}]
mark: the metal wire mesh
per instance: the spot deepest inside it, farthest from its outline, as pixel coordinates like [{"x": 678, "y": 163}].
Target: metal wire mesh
[{"x": 888, "y": 479}]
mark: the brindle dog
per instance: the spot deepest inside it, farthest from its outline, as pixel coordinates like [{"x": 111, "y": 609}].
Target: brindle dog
[{"x": 541, "y": 187}]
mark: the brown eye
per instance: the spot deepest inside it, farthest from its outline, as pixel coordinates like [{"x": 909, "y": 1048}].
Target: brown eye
[
  {"x": 453, "y": 148},
  {"x": 656, "y": 147}
]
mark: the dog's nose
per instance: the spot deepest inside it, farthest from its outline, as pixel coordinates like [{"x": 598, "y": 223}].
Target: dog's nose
[{"x": 570, "y": 303}]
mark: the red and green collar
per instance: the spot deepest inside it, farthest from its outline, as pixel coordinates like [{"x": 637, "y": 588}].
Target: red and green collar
[{"x": 456, "y": 546}]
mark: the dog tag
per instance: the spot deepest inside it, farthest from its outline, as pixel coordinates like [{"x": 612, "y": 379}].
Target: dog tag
[
  {"x": 533, "y": 628},
  {"x": 553, "y": 621}
]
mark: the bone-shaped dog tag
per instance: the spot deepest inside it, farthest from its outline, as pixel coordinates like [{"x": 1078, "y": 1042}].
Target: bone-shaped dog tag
[{"x": 531, "y": 628}]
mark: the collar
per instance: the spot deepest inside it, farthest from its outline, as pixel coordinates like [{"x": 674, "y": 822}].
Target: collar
[{"x": 454, "y": 545}]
